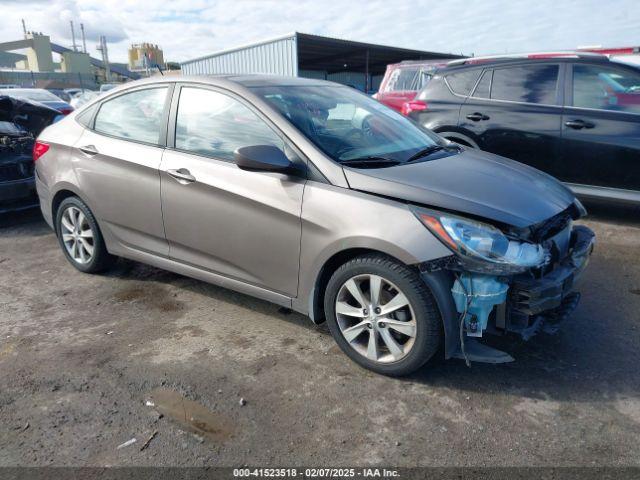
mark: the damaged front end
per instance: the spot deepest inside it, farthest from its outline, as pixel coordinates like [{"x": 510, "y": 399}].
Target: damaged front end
[
  {"x": 507, "y": 280},
  {"x": 20, "y": 123}
]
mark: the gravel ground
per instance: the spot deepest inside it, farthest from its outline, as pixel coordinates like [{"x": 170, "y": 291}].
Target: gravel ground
[{"x": 89, "y": 362}]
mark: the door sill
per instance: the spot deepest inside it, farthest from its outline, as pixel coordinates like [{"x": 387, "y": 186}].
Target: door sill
[
  {"x": 204, "y": 275},
  {"x": 605, "y": 193}
]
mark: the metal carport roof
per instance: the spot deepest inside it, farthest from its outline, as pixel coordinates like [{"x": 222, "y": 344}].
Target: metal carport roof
[{"x": 335, "y": 55}]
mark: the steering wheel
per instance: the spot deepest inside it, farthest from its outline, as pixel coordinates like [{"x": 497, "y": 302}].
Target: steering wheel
[{"x": 367, "y": 129}]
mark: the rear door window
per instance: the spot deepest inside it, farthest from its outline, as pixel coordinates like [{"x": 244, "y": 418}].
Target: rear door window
[
  {"x": 606, "y": 88},
  {"x": 528, "y": 84},
  {"x": 463, "y": 82},
  {"x": 133, "y": 116}
]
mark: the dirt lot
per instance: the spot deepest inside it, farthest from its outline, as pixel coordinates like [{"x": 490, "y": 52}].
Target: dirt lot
[{"x": 81, "y": 355}]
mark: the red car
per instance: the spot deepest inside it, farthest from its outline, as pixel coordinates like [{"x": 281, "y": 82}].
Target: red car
[{"x": 402, "y": 82}]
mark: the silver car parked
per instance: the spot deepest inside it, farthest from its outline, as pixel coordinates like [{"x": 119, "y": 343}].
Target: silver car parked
[{"x": 313, "y": 196}]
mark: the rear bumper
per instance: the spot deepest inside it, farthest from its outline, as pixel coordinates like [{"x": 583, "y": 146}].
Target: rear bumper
[
  {"x": 18, "y": 195},
  {"x": 45, "y": 201}
]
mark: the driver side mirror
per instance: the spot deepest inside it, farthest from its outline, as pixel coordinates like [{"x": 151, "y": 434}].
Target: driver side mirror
[{"x": 262, "y": 158}]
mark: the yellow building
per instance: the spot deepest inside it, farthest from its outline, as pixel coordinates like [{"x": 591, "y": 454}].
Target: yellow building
[{"x": 137, "y": 52}]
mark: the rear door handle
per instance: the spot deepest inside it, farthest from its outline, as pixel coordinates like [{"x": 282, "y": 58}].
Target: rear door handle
[
  {"x": 578, "y": 124},
  {"x": 182, "y": 175},
  {"x": 477, "y": 116},
  {"x": 89, "y": 150}
]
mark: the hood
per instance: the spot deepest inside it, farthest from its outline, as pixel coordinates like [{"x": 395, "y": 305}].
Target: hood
[
  {"x": 472, "y": 182},
  {"x": 31, "y": 116}
]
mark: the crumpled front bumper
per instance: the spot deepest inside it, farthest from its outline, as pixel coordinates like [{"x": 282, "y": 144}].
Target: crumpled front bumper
[
  {"x": 535, "y": 301},
  {"x": 533, "y": 296}
]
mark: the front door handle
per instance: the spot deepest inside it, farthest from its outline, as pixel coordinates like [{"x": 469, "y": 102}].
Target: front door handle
[
  {"x": 89, "y": 150},
  {"x": 477, "y": 116},
  {"x": 578, "y": 124},
  {"x": 182, "y": 175}
]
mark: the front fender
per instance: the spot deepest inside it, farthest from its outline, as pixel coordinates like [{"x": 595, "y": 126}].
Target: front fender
[{"x": 339, "y": 223}]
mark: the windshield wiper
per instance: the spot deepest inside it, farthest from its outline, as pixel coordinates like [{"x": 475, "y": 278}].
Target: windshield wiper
[
  {"x": 425, "y": 152},
  {"x": 369, "y": 161}
]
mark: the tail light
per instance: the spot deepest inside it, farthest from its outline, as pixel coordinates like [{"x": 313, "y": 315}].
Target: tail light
[
  {"x": 39, "y": 149},
  {"x": 413, "y": 106},
  {"x": 66, "y": 111}
]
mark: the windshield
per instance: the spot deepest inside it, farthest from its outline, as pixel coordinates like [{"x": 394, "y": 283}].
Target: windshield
[
  {"x": 31, "y": 94},
  {"x": 347, "y": 125}
]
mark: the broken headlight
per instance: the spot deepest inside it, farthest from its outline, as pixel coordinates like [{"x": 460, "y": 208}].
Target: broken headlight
[{"x": 482, "y": 247}]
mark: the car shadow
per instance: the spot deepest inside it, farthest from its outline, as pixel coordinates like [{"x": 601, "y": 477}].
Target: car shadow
[
  {"x": 620, "y": 214},
  {"x": 593, "y": 358},
  {"x": 131, "y": 270},
  {"x": 29, "y": 221}
]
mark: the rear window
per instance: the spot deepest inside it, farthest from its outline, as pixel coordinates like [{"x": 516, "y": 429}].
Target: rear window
[
  {"x": 462, "y": 83},
  {"x": 528, "y": 84},
  {"x": 408, "y": 79}
]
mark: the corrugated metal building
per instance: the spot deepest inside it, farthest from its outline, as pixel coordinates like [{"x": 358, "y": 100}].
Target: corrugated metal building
[{"x": 358, "y": 64}]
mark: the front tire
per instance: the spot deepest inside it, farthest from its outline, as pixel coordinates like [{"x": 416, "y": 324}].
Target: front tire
[
  {"x": 80, "y": 237},
  {"x": 382, "y": 315}
]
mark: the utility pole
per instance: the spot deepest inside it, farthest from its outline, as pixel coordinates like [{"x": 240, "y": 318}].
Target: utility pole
[
  {"x": 102, "y": 48},
  {"x": 84, "y": 41},
  {"x": 73, "y": 36},
  {"x": 24, "y": 29}
]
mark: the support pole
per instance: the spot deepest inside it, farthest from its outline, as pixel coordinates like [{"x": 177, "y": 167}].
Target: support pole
[
  {"x": 366, "y": 72},
  {"x": 84, "y": 41},
  {"x": 73, "y": 36}
]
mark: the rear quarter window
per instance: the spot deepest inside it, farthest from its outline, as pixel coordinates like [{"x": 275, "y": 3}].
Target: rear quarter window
[
  {"x": 483, "y": 90},
  {"x": 463, "y": 82},
  {"x": 85, "y": 118}
]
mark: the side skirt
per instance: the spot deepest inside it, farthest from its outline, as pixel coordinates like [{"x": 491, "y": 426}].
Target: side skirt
[
  {"x": 204, "y": 275},
  {"x": 605, "y": 193}
]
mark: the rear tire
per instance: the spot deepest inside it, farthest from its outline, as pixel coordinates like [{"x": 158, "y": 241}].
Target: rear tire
[
  {"x": 80, "y": 237},
  {"x": 392, "y": 332}
]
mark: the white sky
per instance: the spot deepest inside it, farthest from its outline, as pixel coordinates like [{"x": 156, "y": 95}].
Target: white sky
[{"x": 187, "y": 29}]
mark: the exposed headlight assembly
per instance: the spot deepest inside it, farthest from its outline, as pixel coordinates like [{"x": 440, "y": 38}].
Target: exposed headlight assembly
[{"x": 482, "y": 247}]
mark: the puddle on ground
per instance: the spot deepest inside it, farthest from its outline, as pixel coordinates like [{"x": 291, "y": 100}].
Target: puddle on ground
[
  {"x": 191, "y": 415},
  {"x": 150, "y": 295}
]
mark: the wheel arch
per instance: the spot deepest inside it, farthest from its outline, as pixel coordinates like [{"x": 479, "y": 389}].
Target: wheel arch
[
  {"x": 463, "y": 138},
  {"x": 439, "y": 283},
  {"x": 63, "y": 192},
  {"x": 316, "y": 300}
]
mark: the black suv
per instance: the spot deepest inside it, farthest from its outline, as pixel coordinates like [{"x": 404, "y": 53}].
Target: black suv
[{"x": 575, "y": 116}]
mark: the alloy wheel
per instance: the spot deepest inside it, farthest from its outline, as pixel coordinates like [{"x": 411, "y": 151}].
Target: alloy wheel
[
  {"x": 375, "y": 318},
  {"x": 77, "y": 235}
]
